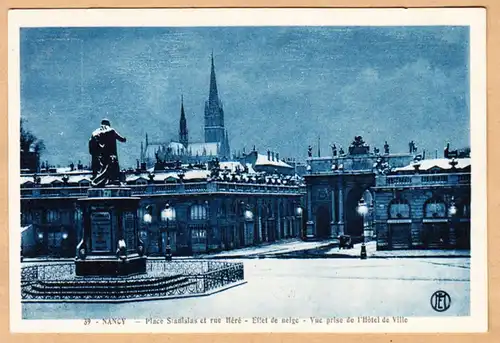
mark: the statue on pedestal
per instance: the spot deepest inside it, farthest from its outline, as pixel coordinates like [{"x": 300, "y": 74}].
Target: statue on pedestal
[{"x": 102, "y": 148}]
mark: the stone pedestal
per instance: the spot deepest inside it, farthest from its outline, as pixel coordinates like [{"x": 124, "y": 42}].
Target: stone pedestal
[{"x": 110, "y": 244}]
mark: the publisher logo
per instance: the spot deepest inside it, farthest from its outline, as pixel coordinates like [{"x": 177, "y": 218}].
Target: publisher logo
[{"x": 440, "y": 301}]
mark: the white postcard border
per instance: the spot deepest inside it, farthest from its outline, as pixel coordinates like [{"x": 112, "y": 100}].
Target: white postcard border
[{"x": 474, "y": 18}]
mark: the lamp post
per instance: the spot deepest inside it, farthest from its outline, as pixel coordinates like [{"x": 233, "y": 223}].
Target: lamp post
[
  {"x": 298, "y": 212},
  {"x": 363, "y": 211},
  {"x": 167, "y": 215},
  {"x": 248, "y": 215},
  {"x": 40, "y": 243},
  {"x": 452, "y": 212},
  {"x": 64, "y": 242},
  {"x": 148, "y": 217}
]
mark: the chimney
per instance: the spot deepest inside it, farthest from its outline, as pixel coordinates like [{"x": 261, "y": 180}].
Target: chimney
[
  {"x": 277, "y": 156},
  {"x": 272, "y": 156},
  {"x": 269, "y": 155}
]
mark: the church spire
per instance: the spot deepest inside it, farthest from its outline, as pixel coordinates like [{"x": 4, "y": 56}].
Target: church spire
[
  {"x": 213, "y": 96},
  {"x": 183, "y": 131}
]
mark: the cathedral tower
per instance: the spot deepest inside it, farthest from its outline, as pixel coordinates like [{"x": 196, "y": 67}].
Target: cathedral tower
[
  {"x": 183, "y": 131},
  {"x": 214, "y": 117}
]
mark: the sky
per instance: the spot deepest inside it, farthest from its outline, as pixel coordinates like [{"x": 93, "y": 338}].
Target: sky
[{"x": 282, "y": 87}]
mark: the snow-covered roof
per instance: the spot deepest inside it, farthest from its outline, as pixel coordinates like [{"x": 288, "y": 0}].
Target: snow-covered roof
[
  {"x": 133, "y": 177},
  {"x": 78, "y": 178},
  {"x": 233, "y": 165},
  {"x": 441, "y": 163},
  {"x": 196, "y": 174},
  {"x": 264, "y": 161}
]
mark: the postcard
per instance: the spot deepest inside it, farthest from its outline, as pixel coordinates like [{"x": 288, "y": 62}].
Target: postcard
[{"x": 247, "y": 170}]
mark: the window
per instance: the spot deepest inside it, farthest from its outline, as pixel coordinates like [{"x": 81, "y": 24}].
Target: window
[
  {"x": 435, "y": 209},
  {"x": 198, "y": 212},
  {"x": 198, "y": 236},
  {"x": 66, "y": 217},
  {"x": 222, "y": 211},
  {"x": 52, "y": 216},
  {"x": 399, "y": 208},
  {"x": 465, "y": 210}
]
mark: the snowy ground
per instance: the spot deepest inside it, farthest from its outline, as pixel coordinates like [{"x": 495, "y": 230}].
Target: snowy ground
[{"x": 303, "y": 288}]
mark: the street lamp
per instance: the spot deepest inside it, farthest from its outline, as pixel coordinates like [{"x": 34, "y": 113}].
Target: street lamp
[
  {"x": 362, "y": 208},
  {"x": 168, "y": 214},
  {"x": 248, "y": 215},
  {"x": 248, "y": 225},
  {"x": 298, "y": 213},
  {"x": 452, "y": 211},
  {"x": 148, "y": 216},
  {"x": 363, "y": 211}
]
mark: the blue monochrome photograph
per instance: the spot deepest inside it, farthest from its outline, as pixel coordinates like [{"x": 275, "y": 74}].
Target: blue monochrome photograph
[{"x": 261, "y": 175}]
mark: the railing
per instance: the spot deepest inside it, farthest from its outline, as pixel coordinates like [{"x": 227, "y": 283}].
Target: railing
[
  {"x": 177, "y": 188},
  {"x": 423, "y": 179},
  {"x": 44, "y": 272},
  {"x": 162, "y": 279},
  {"x": 398, "y": 180}
]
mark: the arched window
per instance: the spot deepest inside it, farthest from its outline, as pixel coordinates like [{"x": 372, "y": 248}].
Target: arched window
[
  {"x": 399, "y": 208},
  {"x": 435, "y": 208},
  {"x": 198, "y": 212}
]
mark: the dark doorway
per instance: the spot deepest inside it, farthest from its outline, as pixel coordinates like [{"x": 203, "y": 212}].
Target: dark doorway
[
  {"x": 354, "y": 221},
  {"x": 323, "y": 222}
]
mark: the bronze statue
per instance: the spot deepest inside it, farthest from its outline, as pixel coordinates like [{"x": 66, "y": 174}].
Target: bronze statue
[
  {"x": 102, "y": 148},
  {"x": 309, "y": 151}
]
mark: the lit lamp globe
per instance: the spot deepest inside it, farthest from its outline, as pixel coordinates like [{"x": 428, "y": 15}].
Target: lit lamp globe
[
  {"x": 65, "y": 235},
  {"x": 148, "y": 218},
  {"x": 452, "y": 210},
  {"x": 248, "y": 215},
  {"x": 362, "y": 207},
  {"x": 298, "y": 211},
  {"x": 167, "y": 213},
  {"x": 40, "y": 235}
]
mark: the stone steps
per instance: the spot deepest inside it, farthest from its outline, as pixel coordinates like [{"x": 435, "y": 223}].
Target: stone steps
[{"x": 105, "y": 289}]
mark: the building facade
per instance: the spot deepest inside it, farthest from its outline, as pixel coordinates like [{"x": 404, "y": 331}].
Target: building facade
[
  {"x": 336, "y": 184},
  {"x": 424, "y": 205},
  {"x": 401, "y": 200},
  {"x": 194, "y": 211}
]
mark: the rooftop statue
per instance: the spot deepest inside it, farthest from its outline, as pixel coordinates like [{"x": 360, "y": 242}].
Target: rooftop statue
[{"x": 102, "y": 148}]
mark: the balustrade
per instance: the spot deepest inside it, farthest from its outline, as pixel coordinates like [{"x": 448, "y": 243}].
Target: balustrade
[
  {"x": 178, "y": 188},
  {"x": 425, "y": 179}
]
